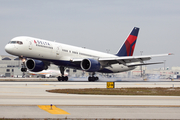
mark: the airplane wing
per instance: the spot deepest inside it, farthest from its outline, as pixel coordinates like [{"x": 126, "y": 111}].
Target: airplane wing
[
  {"x": 130, "y": 59},
  {"x": 127, "y": 61}
]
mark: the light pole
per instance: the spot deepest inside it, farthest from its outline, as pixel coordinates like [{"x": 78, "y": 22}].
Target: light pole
[
  {"x": 141, "y": 65},
  {"x": 107, "y": 50}
]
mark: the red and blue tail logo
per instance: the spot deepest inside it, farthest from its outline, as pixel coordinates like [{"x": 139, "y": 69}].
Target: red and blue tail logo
[{"x": 128, "y": 47}]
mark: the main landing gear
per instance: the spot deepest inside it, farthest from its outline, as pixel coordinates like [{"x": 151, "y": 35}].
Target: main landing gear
[
  {"x": 93, "y": 78},
  {"x": 62, "y": 77}
]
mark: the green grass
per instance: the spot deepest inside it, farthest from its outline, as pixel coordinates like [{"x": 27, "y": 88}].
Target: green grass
[
  {"x": 70, "y": 119},
  {"x": 121, "y": 91}
]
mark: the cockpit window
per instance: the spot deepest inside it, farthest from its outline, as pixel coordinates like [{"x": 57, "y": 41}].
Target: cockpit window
[
  {"x": 12, "y": 42},
  {"x": 19, "y": 42},
  {"x": 16, "y": 42}
]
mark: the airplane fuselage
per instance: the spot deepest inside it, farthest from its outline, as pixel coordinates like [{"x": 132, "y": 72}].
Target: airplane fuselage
[{"x": 58, "y": 53}]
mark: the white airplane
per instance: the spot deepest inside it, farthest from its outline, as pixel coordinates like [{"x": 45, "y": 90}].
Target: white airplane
[
  {"x": 48, "y": 73},
  {"x": 38, "y": 54}
]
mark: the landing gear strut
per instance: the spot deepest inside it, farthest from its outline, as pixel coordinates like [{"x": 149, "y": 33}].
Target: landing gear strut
[
  {"x": 23, "y": 69},
  {"x": 93, "y": 78},
  {"x": 62, "y": 77}
]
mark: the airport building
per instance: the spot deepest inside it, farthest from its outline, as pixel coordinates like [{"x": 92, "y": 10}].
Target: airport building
[
  {"x": 160, "y": 73},
  {"x": 10, "y": 66}
]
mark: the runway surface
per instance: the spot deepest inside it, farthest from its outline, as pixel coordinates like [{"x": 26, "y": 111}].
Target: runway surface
[{"x": 21, "y": 100}]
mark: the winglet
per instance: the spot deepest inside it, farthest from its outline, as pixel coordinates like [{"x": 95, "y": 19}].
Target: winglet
[
  {"x": 127, "y": 48},
  {"x": 170, "y": 54}
]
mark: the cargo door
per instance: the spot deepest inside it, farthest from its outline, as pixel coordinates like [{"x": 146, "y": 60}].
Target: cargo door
[{"x": 58, "y": 51}]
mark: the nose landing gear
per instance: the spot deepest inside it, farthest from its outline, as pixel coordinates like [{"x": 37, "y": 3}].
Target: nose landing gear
[{"x": 23, "y": 69}]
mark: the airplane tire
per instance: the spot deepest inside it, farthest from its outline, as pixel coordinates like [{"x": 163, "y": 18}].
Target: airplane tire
[
  {"x": 62, "y": 78},
  {"x": 23, "y": 69},
  {"x": 59, "y": 78},
  {"x": 66, "y": 78},
  {"x": 89, "y": 79},
  {"x": 92, "y": 79}
]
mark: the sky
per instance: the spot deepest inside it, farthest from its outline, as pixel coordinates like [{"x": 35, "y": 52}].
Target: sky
[{"x": 101, "y": 25}]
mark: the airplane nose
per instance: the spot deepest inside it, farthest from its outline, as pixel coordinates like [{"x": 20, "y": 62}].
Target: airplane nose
[
  {"x": 9, "y": 48},
  {"x": 6, "y": 48}
]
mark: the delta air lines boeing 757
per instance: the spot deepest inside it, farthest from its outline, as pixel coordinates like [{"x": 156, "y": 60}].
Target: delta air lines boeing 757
[{"x": 38, "y": 54}]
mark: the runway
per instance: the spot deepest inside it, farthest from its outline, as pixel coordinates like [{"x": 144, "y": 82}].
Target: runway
[{"x": 21, "y": 100}]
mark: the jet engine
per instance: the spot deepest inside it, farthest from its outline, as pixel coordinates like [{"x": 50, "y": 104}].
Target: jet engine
[
  {"x": 90, "y": 65},
  {"x": 36, "y": 65}
]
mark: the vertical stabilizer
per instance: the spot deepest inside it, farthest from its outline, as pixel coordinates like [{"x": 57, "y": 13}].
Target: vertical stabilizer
[{"x": 127, "y": 48}]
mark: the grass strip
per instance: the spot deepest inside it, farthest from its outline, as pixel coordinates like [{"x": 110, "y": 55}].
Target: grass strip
[{"x": 121, "y": 91}]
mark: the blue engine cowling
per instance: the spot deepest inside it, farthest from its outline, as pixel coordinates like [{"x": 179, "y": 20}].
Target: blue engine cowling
[
  {"x": 90, "y": 65},
  {"x": 35, "y": 65}
]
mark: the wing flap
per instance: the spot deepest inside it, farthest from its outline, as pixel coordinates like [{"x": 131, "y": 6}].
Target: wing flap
[{"x": 140, "y": 64}]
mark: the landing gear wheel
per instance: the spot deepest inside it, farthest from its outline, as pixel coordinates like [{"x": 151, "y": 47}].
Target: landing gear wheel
[
  {"x": 59, "y": 78},
  {"x": 23, "y": 69},
  {"x": 92, "y": 79},
  {"x": 62, "y": 78},
  {"x": 66, "y": 78}
]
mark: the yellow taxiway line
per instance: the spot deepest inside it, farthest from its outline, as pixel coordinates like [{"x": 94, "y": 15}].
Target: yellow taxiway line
[{"x": 53, "y": 109}]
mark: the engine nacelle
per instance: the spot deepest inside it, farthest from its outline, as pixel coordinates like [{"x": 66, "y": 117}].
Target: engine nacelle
[
  {"x": 35, "y": 65},
  {"x": 90, "y": 65}
]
